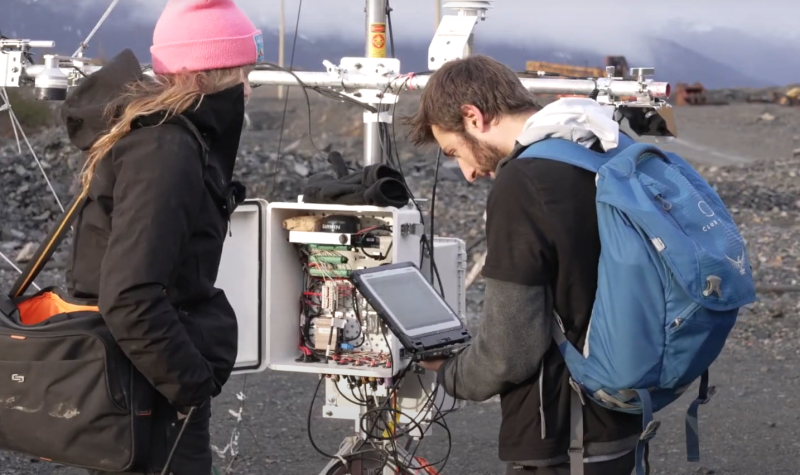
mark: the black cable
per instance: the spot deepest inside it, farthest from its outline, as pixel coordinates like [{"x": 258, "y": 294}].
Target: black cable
[
  {"x": 267, "y": 66},
  {"x": 434, "y": 420},
  {"x": 440, "y": 421},
  {"x": 431, "y": 400},
  {"x": 455, "y": 386},
  {"x": 395, "y": 412},
  {"x": 360, "y": 397},
  {"x": 361, "y": 334},
  {"x": 379, "y": 256},
  {"x": 286, "y": 103},
  {"x": 433, "y": 212},
  {"x": 308, "y": 422},
  {"x": 396, "y": 386},
  {"x": 322, "y": 452},
  {"x": 424, "y": 242},
  {"x": 336, "y": 385},
  {"x": 392, "y": 392},
  {"x": 383, "y": 132},
  {"x": 178, "y": 440},
  {"x": 303, "y": 86},
  {"x": 342, "y": 97},
  {"x": 352, "y": 457},
  {"x": 391, "y": 30}
]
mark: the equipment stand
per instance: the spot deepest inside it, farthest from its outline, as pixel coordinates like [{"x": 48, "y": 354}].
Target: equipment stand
[{"x": 387, "y": 448}]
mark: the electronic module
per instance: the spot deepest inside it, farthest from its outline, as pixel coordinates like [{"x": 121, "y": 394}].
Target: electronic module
[{"x": 336, "y": 325}]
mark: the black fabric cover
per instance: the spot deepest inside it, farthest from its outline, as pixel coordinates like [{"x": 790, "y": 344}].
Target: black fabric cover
[{"x": 373, "y": 185}]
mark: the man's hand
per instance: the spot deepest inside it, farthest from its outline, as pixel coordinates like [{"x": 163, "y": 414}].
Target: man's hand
[{"x": 433, "y": 365}]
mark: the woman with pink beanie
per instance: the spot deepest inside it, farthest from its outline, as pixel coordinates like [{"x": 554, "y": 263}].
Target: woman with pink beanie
[{"x": 160, "y": 153}]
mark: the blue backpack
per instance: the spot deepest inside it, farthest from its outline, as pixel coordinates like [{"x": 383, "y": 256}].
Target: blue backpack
[{"x": 672, "y": 275}]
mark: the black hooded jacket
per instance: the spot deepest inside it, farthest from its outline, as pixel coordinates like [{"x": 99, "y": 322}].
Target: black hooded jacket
[{"x": 148, "y": 240}]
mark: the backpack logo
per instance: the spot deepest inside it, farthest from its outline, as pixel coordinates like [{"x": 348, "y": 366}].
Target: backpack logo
[
  {"x": 705, "y": 209},
  {"x": 738, "y": 263},
  {"x": 18, "y": 378},
  {"x": 708, "y": 213}
]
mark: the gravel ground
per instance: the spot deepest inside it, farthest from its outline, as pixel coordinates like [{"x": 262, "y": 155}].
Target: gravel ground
[{"x": 750, "y": 427}]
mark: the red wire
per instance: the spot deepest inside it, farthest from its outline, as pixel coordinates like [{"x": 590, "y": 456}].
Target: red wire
[
  {"x": 366, "y": 230},
  {"x": 428, "y": 468}
]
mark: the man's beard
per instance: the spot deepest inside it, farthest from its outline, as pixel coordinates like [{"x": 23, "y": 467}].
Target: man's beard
[{"x": 487, "y": 156}]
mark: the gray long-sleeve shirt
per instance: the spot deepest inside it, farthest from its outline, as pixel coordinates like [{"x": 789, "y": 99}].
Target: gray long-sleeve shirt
[
  {"x": 512, "y": 338},
  {"x": 508, "y": 349}
]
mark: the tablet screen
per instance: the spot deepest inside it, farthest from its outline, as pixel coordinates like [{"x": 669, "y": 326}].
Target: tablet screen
[{"x": 410, "y": 300}]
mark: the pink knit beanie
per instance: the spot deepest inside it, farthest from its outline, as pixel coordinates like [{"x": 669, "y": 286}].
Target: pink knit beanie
[{"x": 198, "y": 35}]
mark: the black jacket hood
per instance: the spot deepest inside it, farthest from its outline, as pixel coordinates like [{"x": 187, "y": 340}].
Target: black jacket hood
[
  {"x": 82, "y": 111},
  {"x": 219, "y": 117}
]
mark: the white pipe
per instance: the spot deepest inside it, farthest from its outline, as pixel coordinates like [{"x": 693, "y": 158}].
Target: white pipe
[{"x": 396, "y": 84}]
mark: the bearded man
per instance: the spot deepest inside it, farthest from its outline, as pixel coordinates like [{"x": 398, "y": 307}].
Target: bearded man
[{"x": 543, "y": 252}]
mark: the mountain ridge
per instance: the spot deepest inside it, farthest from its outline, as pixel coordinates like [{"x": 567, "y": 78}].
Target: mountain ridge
[{"x": 680, "y": 57}]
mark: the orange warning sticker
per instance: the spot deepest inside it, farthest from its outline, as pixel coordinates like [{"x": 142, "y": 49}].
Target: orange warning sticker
[{"x": 377, "y": 40}]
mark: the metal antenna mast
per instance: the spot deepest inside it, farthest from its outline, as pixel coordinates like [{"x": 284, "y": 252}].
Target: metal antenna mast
[{"x": 376, "y": 48}]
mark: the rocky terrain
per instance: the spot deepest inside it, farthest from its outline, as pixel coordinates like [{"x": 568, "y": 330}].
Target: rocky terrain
[{"x": 749, "y": 152}]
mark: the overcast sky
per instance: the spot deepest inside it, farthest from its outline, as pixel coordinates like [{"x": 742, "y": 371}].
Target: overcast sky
[{"x": 601, "y": 24}]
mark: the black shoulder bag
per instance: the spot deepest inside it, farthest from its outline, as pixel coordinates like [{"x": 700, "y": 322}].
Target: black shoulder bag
[{"x": 68, "y": 393}]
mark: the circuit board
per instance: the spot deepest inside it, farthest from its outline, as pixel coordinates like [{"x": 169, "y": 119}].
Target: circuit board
[{"x": 336, "y": 324}]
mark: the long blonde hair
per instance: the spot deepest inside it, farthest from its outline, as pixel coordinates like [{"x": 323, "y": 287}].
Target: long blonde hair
[{"x": 171, "y": 94}]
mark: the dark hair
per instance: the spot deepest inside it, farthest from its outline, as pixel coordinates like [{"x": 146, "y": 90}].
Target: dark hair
[{"x": 476, "y": 80}]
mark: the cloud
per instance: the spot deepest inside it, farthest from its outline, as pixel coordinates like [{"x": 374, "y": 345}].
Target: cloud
[{"x": 611, "y": 27}]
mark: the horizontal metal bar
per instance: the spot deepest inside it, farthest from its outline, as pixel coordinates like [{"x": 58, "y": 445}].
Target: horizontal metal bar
[
  {"x": 396, "y": 84},
  {"x": 618, "y": 87}
]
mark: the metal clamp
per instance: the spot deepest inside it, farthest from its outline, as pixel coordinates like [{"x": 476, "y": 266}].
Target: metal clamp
[
  {"x": 351, "y": 68},
  {"x": 576, "y": 387},
  {"x": 712, "y": 390},
  {"x": 411, "y": 228},
  {"x": 650, "y": 431}
]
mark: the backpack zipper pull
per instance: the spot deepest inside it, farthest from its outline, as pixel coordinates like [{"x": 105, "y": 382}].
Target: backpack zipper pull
[{"x": 666, "y": 205}]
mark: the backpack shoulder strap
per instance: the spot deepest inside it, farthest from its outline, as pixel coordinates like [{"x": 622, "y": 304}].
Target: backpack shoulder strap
[{"x": 567, "y": 151}]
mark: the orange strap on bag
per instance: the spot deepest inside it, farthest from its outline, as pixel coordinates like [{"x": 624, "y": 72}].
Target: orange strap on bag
[{"x": 41, "y": 307}]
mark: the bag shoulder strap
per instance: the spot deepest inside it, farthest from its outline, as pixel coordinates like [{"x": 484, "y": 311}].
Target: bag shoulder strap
[
  {"x": 47, "y": 248},
  {"x": 228, "y": 195},
  {"x": 193, "y": 129}
]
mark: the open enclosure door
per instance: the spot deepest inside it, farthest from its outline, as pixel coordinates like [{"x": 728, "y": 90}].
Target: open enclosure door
[{"x": 242, "y": 275}]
